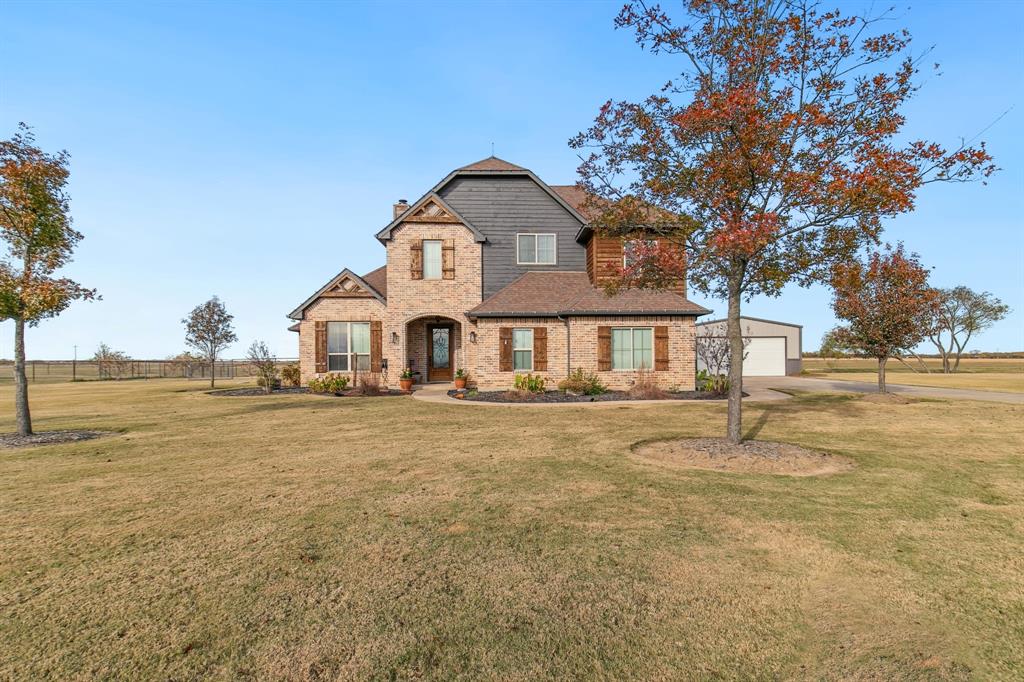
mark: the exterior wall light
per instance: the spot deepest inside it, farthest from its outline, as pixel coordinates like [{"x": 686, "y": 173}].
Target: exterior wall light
[
  {"x": 394, "y": 337},
  {"x": 472, "y": 337}
]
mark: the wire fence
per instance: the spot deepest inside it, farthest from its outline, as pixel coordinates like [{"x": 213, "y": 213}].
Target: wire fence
[{"x": 56, "y": 371}]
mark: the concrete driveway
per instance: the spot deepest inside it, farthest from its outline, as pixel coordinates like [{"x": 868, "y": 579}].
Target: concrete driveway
[{"x": 759, "y": 388}]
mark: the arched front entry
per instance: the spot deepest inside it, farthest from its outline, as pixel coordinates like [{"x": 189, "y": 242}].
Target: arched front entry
[{"x": 434, "y": 347}]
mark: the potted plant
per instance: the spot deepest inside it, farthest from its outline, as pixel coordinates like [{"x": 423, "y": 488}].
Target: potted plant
[
  {"x": 460, "y": 378},
  {"x": 406, "y": 379}
]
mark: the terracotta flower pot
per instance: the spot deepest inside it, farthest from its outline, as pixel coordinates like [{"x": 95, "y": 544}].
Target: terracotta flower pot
[
  {"x": 460, "y": 382},
  {"x": 406, "y": 384}
]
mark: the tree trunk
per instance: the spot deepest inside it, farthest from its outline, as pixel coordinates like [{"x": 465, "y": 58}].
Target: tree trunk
[
  {"x": 881, "y": 374},
  {"x": 213, "y": 368},
  {"x": 24, "y": 418},
  {"x": 735, "y": 335}
]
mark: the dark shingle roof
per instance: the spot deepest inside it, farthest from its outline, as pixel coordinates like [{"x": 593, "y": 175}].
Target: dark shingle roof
[
  {"x": 492, "y": 163},
  {"x": 378, "y": 279},
  {"x": 547, "y": 294},
  {"x": 576, "y": 196}
]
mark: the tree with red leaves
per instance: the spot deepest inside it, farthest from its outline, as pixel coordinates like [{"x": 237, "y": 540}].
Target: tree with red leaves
[
  {"x": 887, "y": 303},
  {"x": 773, "y": 156},
  {"x": 35, "y": 228}
]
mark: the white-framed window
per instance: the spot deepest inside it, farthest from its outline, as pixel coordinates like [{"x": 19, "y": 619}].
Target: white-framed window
[
  {"x": 632, "y": 347},
  {"x": 536, "y": 249},
  {"x": 522, "y": 350},
  {"x": 431, "y": 259},
  {"x": 348, "y": 346},
  {"x": 629, "y": 248}
]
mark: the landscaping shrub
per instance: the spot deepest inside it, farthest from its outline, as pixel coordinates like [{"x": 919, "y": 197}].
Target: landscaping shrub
[
  {"x": 264, "y": 366},
  {"x": 712, "y": 383},
  {"x": 532, "y": 383},
  {"x": 275, "y": 383},
  {"x": 369, "y": 384},
  {"x": 583, "y": 383},
  {"x": 290, "y": 375},
  {"x": 645, "y": 387},
  {"x": 331, "y": 383}
]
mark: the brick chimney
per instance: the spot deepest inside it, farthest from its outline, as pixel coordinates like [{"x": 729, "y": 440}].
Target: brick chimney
[{"x": 401, "y": 207}]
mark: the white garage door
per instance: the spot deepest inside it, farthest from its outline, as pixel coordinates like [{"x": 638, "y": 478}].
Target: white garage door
[{"x": 766, "y": 357}]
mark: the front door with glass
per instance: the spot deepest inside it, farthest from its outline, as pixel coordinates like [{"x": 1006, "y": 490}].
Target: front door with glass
[{"x": 439, "y": 352}]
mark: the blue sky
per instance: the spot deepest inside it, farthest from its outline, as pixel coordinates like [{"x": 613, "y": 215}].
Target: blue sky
[{"x": 251, "y": 150}]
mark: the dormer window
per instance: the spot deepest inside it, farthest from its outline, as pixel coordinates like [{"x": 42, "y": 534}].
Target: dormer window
[{"x": 535, "y": 249}]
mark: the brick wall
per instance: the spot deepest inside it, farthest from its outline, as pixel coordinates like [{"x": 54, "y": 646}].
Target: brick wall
[
  {"x": 411, "y": 303},
  {"x": 414, "y": 302},
  {"x": 334, "y": 310},
  {"x": 681, "y": 372},
  {"x": 487, "y": 376},
  {"x": 580, "y": 339}
]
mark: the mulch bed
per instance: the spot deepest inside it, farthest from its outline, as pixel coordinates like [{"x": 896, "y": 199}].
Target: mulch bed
[
  {"x": 293, "y": 390},
  {"x": 561, "y": 397},
  {"x": 13, "y": 440},
  {"x": 751, "y": 457}
]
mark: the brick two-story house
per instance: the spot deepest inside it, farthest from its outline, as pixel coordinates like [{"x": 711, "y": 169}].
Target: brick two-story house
[{"x": 495, "y": 272}]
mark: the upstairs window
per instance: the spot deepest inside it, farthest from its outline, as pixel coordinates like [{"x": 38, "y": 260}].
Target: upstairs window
[
  {"x": 431, "y": 259},
  {"x": 632, "y": 347},
  {"x": 522, "y": 350},
  {"x": 348, "y": 346},
  {"x": 535, "y": 249},
  {"x": 632, "y": 246}
]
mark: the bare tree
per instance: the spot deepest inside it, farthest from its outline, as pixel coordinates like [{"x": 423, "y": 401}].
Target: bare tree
[
  {"x": 208, "y": 329},
  {"x": 263, "y": 364},
  {"x": 714, "y": 350},
  {"x": 110, "y": 363},
  {"x": 961, "y": 313}
]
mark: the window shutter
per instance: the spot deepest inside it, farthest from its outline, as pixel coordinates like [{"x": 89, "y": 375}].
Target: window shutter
[
  {"x": 540, "y": 349},
  {"x": 604, "y": 349},
  {"x": 505, "y": 349},
  {"x": 416, "y": 261},
  {"x": 376, "y": 346},
  {"x": 448, "y": 259},
  {"x": 660, "y": 349},
  {"x": 320, "y": 346}
]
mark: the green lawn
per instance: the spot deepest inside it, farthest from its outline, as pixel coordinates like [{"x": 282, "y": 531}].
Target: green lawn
[{"x": 299, "y": 537}]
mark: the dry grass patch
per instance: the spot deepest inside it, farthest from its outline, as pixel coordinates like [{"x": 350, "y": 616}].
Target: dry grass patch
[
  {"x": 292, "y": 537},
  {"x": 749, "y": 457}
]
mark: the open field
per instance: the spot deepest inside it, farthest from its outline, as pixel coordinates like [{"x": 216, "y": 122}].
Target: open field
[
  {"x": 982, "y": 374},
  {"x": 301, "y": 537}
]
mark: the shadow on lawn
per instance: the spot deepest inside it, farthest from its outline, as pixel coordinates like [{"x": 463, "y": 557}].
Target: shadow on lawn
[{"x": 846, "y": 405}]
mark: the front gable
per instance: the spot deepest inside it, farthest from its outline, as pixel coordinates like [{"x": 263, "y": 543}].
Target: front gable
[
  {"x": 430, "y": 208},
  {"x": 346, "y": 284}
]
